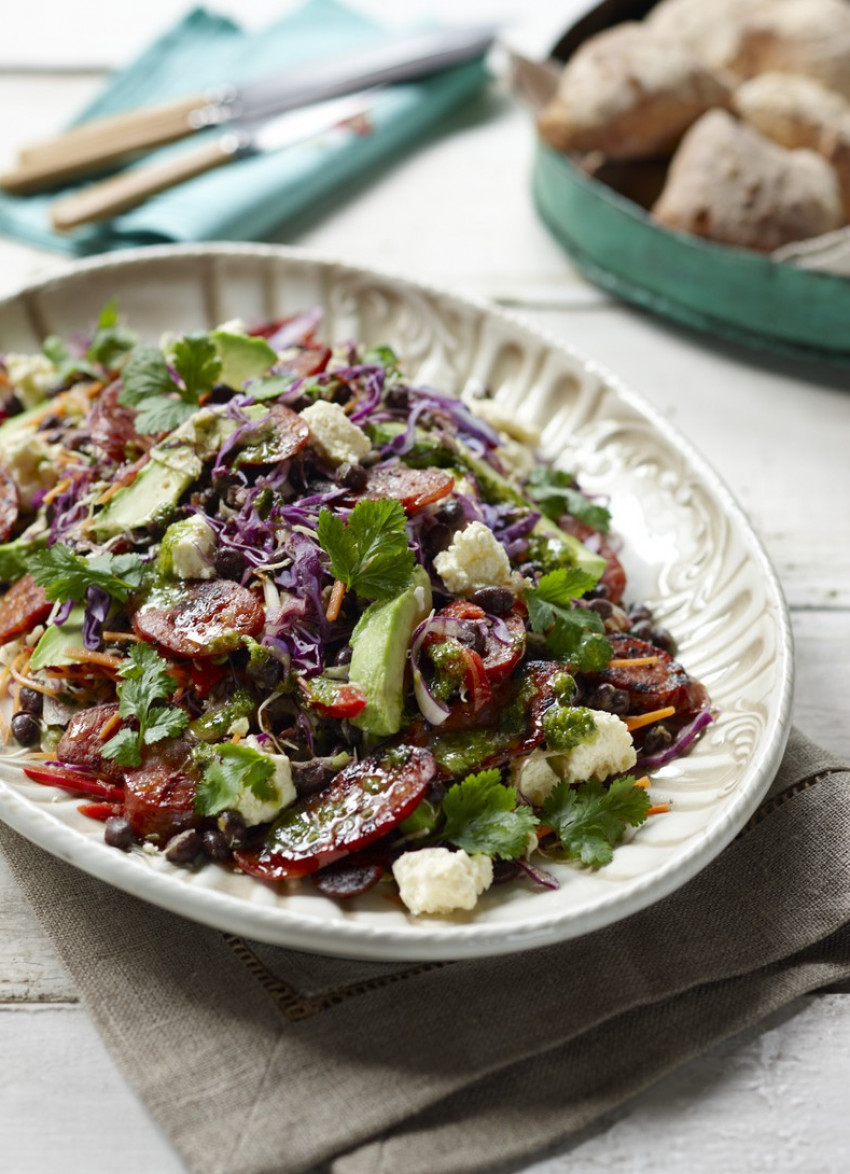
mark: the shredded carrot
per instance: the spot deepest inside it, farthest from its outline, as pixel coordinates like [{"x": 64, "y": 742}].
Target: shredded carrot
[
  {"x": 58, "y": 488},
  {"x": 335, "y": 601},
  {"x": 94, "y": 389},
  {"x": 109, "y": 726},
  {"x": 636, "y": 662},
  {"x": 642, "y": 782},
  {"x": 658, "y": 809},
  {"x": 646, "y": 719},
  {"x": 119, "y": 636},
  {"x": 101, "y": 658}
]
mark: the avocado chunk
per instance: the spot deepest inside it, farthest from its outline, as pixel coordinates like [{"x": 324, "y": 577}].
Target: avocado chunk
[
  {"x": 242, "y": 357},
  {"x": 57, "y": 642},
  {"x": 553, "y": 548},
  {"x": 379, "y": 654},
  {"x": 14, "y": 555}
]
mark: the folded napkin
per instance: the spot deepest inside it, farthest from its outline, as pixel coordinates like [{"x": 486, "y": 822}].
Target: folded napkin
[
  {"x": 259, "y": 1060},
  {"x": 247, "y": 200}
]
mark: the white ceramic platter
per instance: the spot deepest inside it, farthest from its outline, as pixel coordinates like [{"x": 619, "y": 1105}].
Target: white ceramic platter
[{"x": 688, "y": 551}]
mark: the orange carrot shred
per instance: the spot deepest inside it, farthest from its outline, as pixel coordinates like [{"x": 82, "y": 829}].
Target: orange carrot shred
[
  {"x": 658, "y": 809},
  {"x": 635, "y": 662},
  {"x": 642, "y": 782},
  {"x": 335, "y": 601},
  {"x": 646, "y": 719},
  {"x": 109, "y": 726},
  {"x": 101, "y": 658}
]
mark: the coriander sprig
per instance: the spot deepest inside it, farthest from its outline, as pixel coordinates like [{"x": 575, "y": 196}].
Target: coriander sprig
[
  {"x": 65, "y": 575},
  {"x": 370, "y": 555},
  {"x": 482, "y": 816},
  {"x": 146, "y": 687},
  {"x": 571, "y": 632},
  {"x": 590, "y": 820}
]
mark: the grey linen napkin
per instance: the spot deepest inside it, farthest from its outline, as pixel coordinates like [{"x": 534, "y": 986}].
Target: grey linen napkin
[{"x": 260, "y": 1060}]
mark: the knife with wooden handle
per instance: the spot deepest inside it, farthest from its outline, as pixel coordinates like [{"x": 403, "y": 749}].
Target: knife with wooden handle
[
  {"x": 96, "y": 145},
  {"x": 130, "y": 188}
]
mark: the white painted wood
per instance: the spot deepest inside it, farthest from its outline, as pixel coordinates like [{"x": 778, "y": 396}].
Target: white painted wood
[{"x": 770, "y": 1100}]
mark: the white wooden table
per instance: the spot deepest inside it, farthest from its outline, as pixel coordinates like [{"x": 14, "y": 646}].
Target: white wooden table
[{"x": 458, "y": 212}]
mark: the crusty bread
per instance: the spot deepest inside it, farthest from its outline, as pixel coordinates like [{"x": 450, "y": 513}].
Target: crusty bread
[
  {"x": 750, "y": 37},
  {"x": 800, "y": 112},
  {"x": 630, "y": 95},
  {"x": 729, "y": 183}
]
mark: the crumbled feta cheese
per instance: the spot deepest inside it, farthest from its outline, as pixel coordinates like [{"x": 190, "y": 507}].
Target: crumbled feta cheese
[
  {"x": 503, "y": 420},
  {"x": 31, "y": 375},
  {"x": 232, "y": 326},
  {"x": 254, "y": 810},
  {"x": 609, "y": 753},
  {"x": 474, "y": 559},
  {"x": 31, "y": 463},
  {"x": 533, "y": 777},
  {"x": 240, "y": 726},
  {"x": 190, "y": 545},
  {"x": 435, "y": 880},
  {"x": 333, "y": 435}
]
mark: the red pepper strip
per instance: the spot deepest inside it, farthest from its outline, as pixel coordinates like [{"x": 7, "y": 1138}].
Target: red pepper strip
[
  {"x": 475, "y": 679},
  {"x": 69, "y": 780},
  {"x": 99, "y": 811}
]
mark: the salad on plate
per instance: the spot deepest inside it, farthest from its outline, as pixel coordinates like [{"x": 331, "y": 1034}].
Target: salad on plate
[{"x": 269, "y": 605}]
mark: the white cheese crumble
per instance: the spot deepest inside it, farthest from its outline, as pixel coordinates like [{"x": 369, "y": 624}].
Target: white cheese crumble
[
  {"x": 474, "y": 559},
  {"x": 31, "y": 463},
  {"x": 254, "y": 810},
  {"x": 232, "y": 326},
  {"x": 31, "y": 375},
  {"x": 610, "y": 752},
  {"x": 333, "y": 435},
  {"x": 533, "y": 777},
  {"x": 191, "y": 545},
  {"x": 435, "y": 880}
]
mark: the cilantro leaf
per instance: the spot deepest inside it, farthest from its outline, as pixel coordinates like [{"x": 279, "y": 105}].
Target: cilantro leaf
[
  {"x": 370, "y": 555},
  {"x": 66, "y": 365},
  {"x": 482, "y": 817},
  {"x": 197, "y": 362},
  {"x": 590, "y": 820},
  {"x": 146, "y": 682},
  {"x": 236, "y": 768},
  {"x": 576, "y": 634},
  {"x": 556, "y": 493},
  {"x": 162, "y": 403},
  {"x": 111, "y": 341},
  {"x": 65, "y": 575}
]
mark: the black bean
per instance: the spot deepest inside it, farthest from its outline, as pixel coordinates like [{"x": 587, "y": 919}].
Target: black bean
[
  {"x": 496, "y": 600},
  {"x": 600, "y": 591},
  {"x": 504, "y": 870},
  {"x": 451, "y": 513},
  {"x": 437, "y": 538},
  {"x": 397, "y": 397},
  {"x": 642, "y": 630},
  {"x": 658, "y": 738},
  {"x": 215, "y": 844},
  {"x": 602, "y": 607},
  {"x": 311, "y": 777},
  {"x": 118, "y": 833},
  {"x": 26, "y": 729},
  {"x": 639, "y": 611},
  {"x": 30, "y": 701},
  {"x": 265, "y": 673},
  {"x": 232, "y": 827},
  {"x": 471, "y": 635},
  {"x": 664, "y": 640},
  {"x": 344, "y": 655},
  {"x": 229, "y": 563},
  {"x": 184, "y": 847},
  {"x": 611, "y": 699},
  {"x": 352, "y": 476}
]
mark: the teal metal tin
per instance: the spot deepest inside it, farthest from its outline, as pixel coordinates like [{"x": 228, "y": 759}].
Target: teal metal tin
[{"x": 733, "y": 293}]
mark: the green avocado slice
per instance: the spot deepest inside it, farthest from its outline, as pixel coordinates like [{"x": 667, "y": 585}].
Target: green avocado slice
[{"x": 379, "y": 654}]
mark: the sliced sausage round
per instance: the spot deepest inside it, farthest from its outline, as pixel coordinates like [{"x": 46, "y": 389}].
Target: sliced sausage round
[
  {"x": 364, "y": 802},
  {"x": 414, "y": 488},
  {"x": 210, "y": 619},
  {"x": 651, "y": 686},
  {"x": 22, "y": 607},
  {"x": 278, "y": 436},
  {"x": 112, "y": 426},
  {"x": 159, "y": 795},
  {"x": 82, "y": 743}
]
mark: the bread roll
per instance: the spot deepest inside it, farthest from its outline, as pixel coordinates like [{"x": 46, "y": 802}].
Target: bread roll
[
  {"x": 729, "y": 183},
  {"x": 630, "y": 95},
  {"x": 709, "y": 29},
  {"x": 800, "y": 112}
]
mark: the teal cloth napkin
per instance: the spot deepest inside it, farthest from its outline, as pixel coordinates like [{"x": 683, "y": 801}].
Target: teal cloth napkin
[{"x": 248, "y": 199}]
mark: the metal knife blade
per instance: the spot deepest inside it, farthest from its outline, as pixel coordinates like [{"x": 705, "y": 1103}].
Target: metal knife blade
[{"x": 119, "y": 194}]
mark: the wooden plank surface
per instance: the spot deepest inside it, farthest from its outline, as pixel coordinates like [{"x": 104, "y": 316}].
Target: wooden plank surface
[{"x": 457, "y": 212}]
